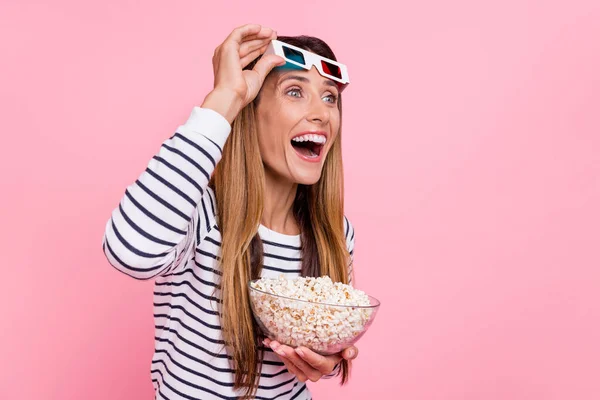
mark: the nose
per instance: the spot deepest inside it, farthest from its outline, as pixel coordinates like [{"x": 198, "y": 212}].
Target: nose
[{"x": 318, "y": 111}]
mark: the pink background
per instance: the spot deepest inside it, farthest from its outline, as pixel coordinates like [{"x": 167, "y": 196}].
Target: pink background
[{"x": 472, "y": 154}]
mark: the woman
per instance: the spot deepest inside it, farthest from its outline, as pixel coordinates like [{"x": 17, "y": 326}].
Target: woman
[{"x": 235, "y": 195}]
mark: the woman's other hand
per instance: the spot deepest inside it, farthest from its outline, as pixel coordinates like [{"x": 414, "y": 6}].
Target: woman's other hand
[{"x": 305, "y": 363}]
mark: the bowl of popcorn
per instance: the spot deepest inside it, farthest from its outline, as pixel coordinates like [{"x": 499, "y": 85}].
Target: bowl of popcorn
[{"x": 317, "y": 313}]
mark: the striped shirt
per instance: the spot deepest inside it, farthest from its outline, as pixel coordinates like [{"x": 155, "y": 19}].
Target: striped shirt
[{"x": 165, "y": 228}]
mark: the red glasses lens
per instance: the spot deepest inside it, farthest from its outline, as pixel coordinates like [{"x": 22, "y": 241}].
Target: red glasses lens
[{"x": 331, "y": 69}]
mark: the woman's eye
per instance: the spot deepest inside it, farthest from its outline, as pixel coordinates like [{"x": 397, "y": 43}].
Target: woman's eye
[
  {"x": 294, "y": 92},
  {"x": 332, "y": 98}
]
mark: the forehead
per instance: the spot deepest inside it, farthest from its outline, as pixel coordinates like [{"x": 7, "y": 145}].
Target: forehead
[{"x": 312, "y": 76}]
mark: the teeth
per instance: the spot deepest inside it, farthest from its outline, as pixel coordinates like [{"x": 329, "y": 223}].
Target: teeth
[{"x": 320, "y": 139}]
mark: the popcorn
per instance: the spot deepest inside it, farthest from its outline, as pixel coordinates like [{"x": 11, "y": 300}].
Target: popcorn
[{"x": 330, "y": 317}]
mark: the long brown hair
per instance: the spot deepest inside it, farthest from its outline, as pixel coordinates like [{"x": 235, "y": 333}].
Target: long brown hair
[{"x": 238, "y": 182}]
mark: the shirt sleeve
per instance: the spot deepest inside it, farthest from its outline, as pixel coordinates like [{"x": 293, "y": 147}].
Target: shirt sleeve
[{"x": 161, "y": 217}]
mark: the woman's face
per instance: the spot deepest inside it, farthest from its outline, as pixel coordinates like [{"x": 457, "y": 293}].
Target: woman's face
[{"x": 298, "y": 120}]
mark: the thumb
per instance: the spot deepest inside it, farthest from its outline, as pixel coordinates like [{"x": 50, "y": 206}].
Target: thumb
[
  {"x": 350, "y": 353},
  {"x": 266, "y": 64}
]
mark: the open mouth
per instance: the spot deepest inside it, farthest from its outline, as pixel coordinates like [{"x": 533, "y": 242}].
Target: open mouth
[{"x": 309, "y": 146}]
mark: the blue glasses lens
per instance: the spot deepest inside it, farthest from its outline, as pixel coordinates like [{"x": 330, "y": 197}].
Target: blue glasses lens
[{"x": 294, "y": 55}]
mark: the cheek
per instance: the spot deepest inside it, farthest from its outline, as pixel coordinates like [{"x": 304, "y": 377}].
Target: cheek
[
  {"x": 335, "y": 124},
  {"x": 274, "y": 127},
  {"x": 264, "y": 128},
  {"x": 270, "y": 138}
]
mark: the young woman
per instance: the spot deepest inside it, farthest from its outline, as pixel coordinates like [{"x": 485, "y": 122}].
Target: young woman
[{"x": 251, "y": 185}]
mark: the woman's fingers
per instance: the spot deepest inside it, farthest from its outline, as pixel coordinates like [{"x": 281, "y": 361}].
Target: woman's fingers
[
  {"x": 241, "y": 32},
  {"x": 252, "y": 45},
  {"x": 241, "y": 41},
  {"x": 266, "y": 64},
  {"x": 292, "y": 369},
  {"x": 252, "y": 56},
  {"x": 305, "y": 363},
  {"x": 350, "y": 353},
  {"x": 242, "y": 46},
  {"x": 247, "y": 33},
  {"x": 266, "y": 35},
  {"x": 290, "y": 355},
  {"x": 324, "y": 364},
  {"x": 251, "y": 49},
  {"x": 255, "y": 77}
]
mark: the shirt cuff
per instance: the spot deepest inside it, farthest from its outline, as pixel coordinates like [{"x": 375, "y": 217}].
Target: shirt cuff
[
  {"x": 209, "y": 124},
  {"x": 334, "y": 372}
]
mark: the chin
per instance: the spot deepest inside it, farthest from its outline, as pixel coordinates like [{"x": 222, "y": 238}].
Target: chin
[
  {"x": 307, "y": 178},
  {"x": 307, "y": 182}
]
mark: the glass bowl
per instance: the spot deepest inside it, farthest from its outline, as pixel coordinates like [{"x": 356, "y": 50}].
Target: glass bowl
[{"x": 324, "y": 328}]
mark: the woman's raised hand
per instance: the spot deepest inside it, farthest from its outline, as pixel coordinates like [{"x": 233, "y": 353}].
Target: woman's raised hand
[{"x": 235, "y": 87}]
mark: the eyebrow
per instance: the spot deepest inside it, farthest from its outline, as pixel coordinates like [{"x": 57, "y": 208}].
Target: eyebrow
[{"x": 327, "y": 82}]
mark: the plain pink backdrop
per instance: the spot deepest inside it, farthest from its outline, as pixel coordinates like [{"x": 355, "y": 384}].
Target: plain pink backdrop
[{"x": 472, "y": 164}]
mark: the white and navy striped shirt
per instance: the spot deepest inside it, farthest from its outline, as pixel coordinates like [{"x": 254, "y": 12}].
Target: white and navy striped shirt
[{"x": 165, "y": 228}]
